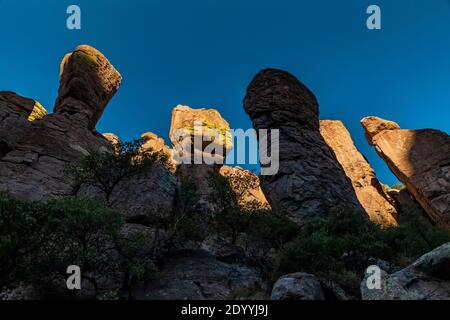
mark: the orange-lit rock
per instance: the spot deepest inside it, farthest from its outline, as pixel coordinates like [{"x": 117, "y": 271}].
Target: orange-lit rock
[
  {"x": 369, "y": 190},
  {"x": 421, "y": 160}
]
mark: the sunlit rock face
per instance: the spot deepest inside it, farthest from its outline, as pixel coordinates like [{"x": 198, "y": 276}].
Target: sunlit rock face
[
  {"x": 200, "y": 133},
  {"x": 310, "y": 181},
  {"x": 369, "y": 190},
  {"x": 245, "y": 184},
  {"x": 88, "y": 82},
  {"x": 32, "y": 168},
  {"x": 421, "y": 160},
  {"x": 154, "y": 143}
]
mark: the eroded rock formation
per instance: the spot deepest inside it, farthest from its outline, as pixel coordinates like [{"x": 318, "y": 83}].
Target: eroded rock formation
[
  {"x": 32, "y": 168},
  {"x": 368, "y": 188},
  {"x": 420, "y": 159},
  {"x": 426, "y": 279},
  {"x": 298, "y": 286},
  {"x": 310, "y": 182}
]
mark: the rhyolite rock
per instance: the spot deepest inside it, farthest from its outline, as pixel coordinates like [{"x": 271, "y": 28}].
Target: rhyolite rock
[
  {"x": 368, "y": 188},
  {"x": 297, "y": 286},
  {"x": 428, "y": 278},
  {"x": 153, "y": 143},
  {"x": 246, "y": 186},
  {"x": 33, "y": 168},
  {"x": 213, "y": 132},
  {"x": 199, "y": 276},
  {"x": 88, "y": 81},
  {"x": 421, "y": 161},
  {"x": 310, "y": 182}
]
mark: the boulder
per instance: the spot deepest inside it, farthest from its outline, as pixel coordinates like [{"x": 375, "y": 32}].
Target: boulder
[
  {"x": 421, "y": 161},
  {"x": 297, "y": 286},
  {"x": 246, "y": 186},
  {"x": 426, "y": 279},
  {"x": 199, "y": 276},
  {"x": 156, "y": 144},
  {"x": 310, "y": 182},
  {"x": 210, "y": 129},
  {"x": 88, "y": 81},
  {"x": 368, "y": 188}
]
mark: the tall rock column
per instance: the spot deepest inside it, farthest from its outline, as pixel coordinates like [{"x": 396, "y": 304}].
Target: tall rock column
[
  {"x": 367, "y": 187},
  {"x": 310, "y": 182},
  {"x": 420, "y": 159}
]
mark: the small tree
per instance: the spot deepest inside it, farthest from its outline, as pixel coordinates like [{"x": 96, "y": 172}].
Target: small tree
[{"x": 106, "y": 169}]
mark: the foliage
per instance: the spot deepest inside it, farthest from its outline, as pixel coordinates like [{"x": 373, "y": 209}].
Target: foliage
[
  {"x": 39, "y": 240},
  {"x": 340, "y": 247},
  {"x": 398, "y": 186},
  {"x": 106, "y": 169}
]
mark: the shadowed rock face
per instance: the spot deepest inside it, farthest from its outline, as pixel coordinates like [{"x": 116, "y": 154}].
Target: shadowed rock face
[
  {"x": 367, "y": 187},
  {"x": 421, "y": 160},
  {"x": 33, "y": 166},
  {"x": 310, "y": 182},
  {"x": 88, "y": 81}
]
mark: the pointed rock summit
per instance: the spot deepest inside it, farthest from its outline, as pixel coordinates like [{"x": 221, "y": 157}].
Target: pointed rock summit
[
  {"x": 310, "y": 181},
  {"x": 421, "y": 161}
]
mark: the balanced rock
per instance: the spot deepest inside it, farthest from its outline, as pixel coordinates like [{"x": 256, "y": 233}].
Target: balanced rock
[
  {"x": 426, "y": 279},
  {"x": 368, "y": 188},
  {"x": 88, "y": 82},
  {"x": 310, "y": 182},
  {"x": 154, "y": 143},
  {"x": 298, "y": 286},
  {"x": 202, "y": 133},
  {"x": 420, "y": 159},
  {"x": 34, "y": 166}
]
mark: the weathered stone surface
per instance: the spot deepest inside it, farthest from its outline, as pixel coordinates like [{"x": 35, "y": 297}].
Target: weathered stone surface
[
  {"x": 156, "y": 144},
  {"x": 16, "y": 115},
  {"x": 246, "y": 186},
  {"x": 88, "y": 82},
  {"x": 374, "y": 125},
  {"x": 199, "y": 276},
  {"x": 213, "y": 130},
  {"x": 33, "y": 167},
  {"x": 297, "y": 286},
  {"x": 368, "y": 188},
  {"x": 421, "y": 160},
  {"x": 426, "y": 279},
  {"x": 310, "y": 182},
  {"x": 147, "y": 194}
]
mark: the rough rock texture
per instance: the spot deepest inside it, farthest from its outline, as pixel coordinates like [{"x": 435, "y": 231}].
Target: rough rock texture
[
  {"x": 154, "y": 143},
  {"x": 199, "y": 276},
  {"x": 374, "y": 125},
  {"x": 16, "y": 115},
  {"x": 420, "y": 159},
  {"x": 310, "y": 182},
  {"x": 212, "y": 129},
  {"x": 368, "y": 188},
  {"x": 426, "y": 279},
  {"x": 297, "y": 286},
  {"x": 88, "y": 82},
  {"x": 151, "y": 193},
  {"x": 33, "y": 168},
  {"x": 246, "y": 186}
]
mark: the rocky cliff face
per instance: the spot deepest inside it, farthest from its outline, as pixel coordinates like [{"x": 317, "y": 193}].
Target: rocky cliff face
[
  {"x": 310, "y": 181},
  {"x": 420, "y": 159},
  {"x": 368, "y": 189}
]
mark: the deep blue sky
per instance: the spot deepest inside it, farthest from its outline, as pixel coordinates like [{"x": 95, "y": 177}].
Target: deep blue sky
[{"x": 203, "y": 53}]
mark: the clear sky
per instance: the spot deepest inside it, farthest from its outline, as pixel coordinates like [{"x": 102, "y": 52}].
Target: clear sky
[{"x": 203, "y": 53}]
